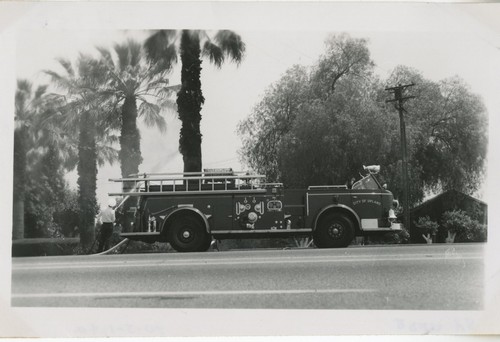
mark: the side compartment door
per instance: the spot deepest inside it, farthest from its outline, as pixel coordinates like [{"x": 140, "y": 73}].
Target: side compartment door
[{"x": 259, "y": 211}]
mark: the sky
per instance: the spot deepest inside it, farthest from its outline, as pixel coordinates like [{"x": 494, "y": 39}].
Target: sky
[{"x": 439, "y": 39}]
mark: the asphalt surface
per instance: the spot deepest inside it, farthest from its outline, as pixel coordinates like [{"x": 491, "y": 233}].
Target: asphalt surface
[{"x": 419, "y": 277}]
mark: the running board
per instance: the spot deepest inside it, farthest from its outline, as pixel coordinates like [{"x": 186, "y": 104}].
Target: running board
[
  {"x": 142, "y": 236},
  {"x": 395, "y": 227},
  {"x": 258, "y": 231}
]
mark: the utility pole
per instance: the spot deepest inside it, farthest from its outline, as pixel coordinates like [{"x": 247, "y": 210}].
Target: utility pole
[{"x": 398, "y": 100}]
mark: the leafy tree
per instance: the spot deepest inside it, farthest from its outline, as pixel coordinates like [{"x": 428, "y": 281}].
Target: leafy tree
[
  {"x": 162, "y": 48},
  {"x": 85, "y": 111},
  {"x": 139, "y": 91},
  {"x": 446, "y": 134},
  {"x": 325, "y": 140},
  {"x": 344, "y": 57}
]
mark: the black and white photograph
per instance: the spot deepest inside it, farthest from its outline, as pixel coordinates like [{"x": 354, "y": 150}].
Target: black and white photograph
[{"x": 215, "y": 169}]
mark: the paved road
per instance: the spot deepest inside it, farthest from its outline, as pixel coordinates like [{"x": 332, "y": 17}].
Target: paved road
[{"x": 442, "y": 277}]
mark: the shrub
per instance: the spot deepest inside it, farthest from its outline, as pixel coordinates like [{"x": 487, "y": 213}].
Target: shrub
[
  {"x": 66, "y": 214},
  {"x": 466, "y": 229},
  {"x": 427, "y": 226},
  {"x": 43, "y": 246},
  {"x": 400, "y": 237}
]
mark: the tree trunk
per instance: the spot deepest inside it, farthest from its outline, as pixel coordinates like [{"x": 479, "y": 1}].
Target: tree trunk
[
  {"x": 20, "y": 137},
  {"x": 130, "y": 154},
  {"x": 51, "y": 170},
  {"x": 87, "y": 176},
  {"x": 130, "y": 139},
  {"x": 189, "y": 102},
  {"x": 18, "y": 218}
]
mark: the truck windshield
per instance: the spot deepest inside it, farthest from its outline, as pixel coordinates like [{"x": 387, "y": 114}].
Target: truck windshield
[{"x": 366, "y": 183}]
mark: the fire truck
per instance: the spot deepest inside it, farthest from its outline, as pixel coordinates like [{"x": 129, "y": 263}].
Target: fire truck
[{"x": 190, "y": 210}]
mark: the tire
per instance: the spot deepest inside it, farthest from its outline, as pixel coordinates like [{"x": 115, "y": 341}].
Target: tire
[
  {"x": 187, "y": 234},
  {"x": 206, "y": 244},
  {"x": 334, "y": 230}
]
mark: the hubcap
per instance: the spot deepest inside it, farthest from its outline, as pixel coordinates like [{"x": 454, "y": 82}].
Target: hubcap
[
  {"x": 336, "y": 230},
  {"x": 186, "y": 234}
]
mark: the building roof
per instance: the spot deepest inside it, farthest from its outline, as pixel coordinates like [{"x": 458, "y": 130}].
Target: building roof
[{"x": 446, "y": 193}]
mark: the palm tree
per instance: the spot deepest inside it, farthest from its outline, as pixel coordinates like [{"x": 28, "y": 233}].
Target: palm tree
[
  {"x": 85, "y": 112},
  {"x": 139, "y": 91},
  {"x": 28, "y": 104},
  {"x": 162, "y": 47},
  {"x": 40, "y": 147}
]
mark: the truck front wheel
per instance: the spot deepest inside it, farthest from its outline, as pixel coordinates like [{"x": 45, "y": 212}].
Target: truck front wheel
[
  {"x": 334, "y": 230},
  {"x": 187, "y": 234}
]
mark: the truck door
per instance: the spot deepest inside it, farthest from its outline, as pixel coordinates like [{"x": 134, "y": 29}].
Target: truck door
[{"x": 367, "y": 202}]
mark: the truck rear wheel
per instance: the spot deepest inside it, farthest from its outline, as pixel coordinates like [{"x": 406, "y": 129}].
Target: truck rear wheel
[
  {"x": 187, "y": 234},
  {"x": 334, "y": 230}
]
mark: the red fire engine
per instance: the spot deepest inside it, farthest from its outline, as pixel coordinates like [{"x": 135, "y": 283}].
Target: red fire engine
[{"x": 189, "y": 210}]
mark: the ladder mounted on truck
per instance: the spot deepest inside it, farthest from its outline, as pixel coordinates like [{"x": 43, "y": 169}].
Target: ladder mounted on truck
[{"x": 211, "y": 181}]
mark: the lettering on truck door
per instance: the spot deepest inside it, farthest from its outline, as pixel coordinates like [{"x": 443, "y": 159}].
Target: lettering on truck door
[{"x": 367, "y": 202}]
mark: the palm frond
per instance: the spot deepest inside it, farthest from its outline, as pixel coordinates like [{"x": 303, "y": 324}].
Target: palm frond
[
  {"x": 23, "y": 93},
  {"x": 161, "y": 92},
  {"x": 60, "y": 81},
  {"x": 51, "y": 116},
  {"x": 157, "y": 82},
  {"x": 106, "y": 57},
  {"x": 231, "y": 44},
  {"x": 69, "y": 158},
  {"x": 123, "y": 54},
  {"x": 24, "y": 86},
  {"x": 66, "y": 64},
  {"x": 169, "y": 104},
  {"x": 214, "y": 53},
  {"x": 41, "y": 90},
  {"x": 109, "y": 119},
  {"x": 106, "y": 154},
  {"x": 150, "y": 113},
  {"x": 161, "y": 50},
  {"x": 135, "y": 49}
]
